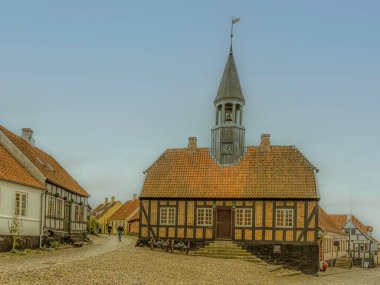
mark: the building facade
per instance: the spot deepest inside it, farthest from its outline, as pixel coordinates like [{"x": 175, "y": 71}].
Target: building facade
[
  {"x": 63, "y": 202},
  {"x": 127, "y": 216},
  {"x": 333, "y": 241},
  {"x": 362, "y": 245},
  {"x": 104, "y": 211},
  {"x": 263, "y": 197}
]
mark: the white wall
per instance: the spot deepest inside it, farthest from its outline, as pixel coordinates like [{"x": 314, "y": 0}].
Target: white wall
[{"x": 30, "y": 222}]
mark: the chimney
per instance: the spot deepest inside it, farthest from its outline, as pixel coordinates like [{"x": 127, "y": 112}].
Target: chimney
[
  {"x": 265, "y": 142},
  {"x": 106, "y": 201},
  {"x": 112, "y": 199},
  {"x": 192, "y": 145},
  {"x": 135, "y": 197},
  {"x": 27, "y": 134}
]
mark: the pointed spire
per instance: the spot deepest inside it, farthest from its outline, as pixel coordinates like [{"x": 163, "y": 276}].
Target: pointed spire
[{"x": 230, "y": 85}]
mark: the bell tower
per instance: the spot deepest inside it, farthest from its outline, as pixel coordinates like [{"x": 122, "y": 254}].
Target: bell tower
[{"x": 228, "y": 134}]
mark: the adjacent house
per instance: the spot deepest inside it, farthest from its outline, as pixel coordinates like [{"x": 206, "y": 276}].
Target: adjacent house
[
  {"x": 104, "y": 211},
  {"x": 263, "y": 197},
  {"x": 63, "y": 202},
  {"x": 127, "y": 216},
  {"x": 332, "y": 240},
  {"x": 20, "y": 198},
  {"x": 362, "y": 244}
]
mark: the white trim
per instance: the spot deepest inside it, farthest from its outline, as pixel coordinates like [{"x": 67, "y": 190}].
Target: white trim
[
  {"x": 244, "y": 225},
  {"x": 284, "y": 217},
  {"x": 19, "y": 217},
  {"x": 204, "y": 209}
]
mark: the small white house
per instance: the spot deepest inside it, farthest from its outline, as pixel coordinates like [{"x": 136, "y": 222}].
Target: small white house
[
  {"x": 37, "y": 190},
  {"x": 20, "y": 198},
  {"x": 361, "y": 243}
]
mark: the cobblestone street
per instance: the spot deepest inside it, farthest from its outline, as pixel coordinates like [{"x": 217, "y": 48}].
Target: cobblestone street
[{"x": 108, "y": 261}]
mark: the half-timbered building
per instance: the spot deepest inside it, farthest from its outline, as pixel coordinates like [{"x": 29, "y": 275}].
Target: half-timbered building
[
  {"x": 64, "y": 202},
  {"x": 263, "y": 197}
]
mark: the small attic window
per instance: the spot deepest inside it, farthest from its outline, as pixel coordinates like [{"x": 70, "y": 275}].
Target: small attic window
[
  {"x": 50, "y": 167},
  {"x": 40, "y": 161}
]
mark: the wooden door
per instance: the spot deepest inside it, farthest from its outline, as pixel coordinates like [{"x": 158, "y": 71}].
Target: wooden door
[
  {"x": 66, "y": 222},
  {"x": 223, "y": 224}
]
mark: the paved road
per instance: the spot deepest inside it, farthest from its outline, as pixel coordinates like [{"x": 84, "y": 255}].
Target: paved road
[{"x": 111, "y": 262}]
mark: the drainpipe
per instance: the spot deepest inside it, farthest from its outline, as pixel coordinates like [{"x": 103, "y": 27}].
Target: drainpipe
[{"x": 43, "y": 194}]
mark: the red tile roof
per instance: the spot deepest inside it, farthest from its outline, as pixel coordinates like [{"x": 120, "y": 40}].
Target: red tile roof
[
  {"x": 125, "y": 211},
  {"x": 57, "y": 175},
  {"x": 325, "y": 222},
  {"x": 340, "y": 221},
  {"x": 11, "y": 170},
  {"x": 281, "y": 172}
]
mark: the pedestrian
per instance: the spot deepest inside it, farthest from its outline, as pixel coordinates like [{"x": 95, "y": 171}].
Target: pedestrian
[
  {"x": 109, "y": 228},
  {"x": 120, "y": 230}
]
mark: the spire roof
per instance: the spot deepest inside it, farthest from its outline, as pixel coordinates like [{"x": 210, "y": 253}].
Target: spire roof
[{"x": 230, "y": 85}]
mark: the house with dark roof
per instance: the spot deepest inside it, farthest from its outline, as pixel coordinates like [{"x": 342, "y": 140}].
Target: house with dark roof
[
  {"x": 104, "y": 211},
  {"x": 332, "y": 239},
  {"x": 127, "y": 216},
  {"x": 362, "y": 244},
  {"x": 58, "y": 208},
  {"x": 264, "y": 197}
]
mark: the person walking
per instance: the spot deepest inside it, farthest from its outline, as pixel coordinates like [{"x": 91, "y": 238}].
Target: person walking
[
  {"x": 109, "y": 229},
  {"x": 120, "y": 230}
]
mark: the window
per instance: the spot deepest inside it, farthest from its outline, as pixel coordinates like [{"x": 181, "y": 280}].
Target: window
[
  {"x": 243, "y": 217},
  {"x": 59, "y": 208},
  {"x": 51, "y": 206},
  {"x": 81, "y": 217},
  {"x": 21, "y": 202},
  {"x": 76, "y": 213},
  {"x": 284, "y": 218},
  {"x": 204, "y": 216},
  {"x": 167, "y": 216}
]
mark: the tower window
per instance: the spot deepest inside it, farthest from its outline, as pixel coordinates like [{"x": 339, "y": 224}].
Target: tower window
[{"x": 228, "y": 115}]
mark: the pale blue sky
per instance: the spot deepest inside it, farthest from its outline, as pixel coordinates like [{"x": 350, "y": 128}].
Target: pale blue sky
[{"x": 107, "y": 86}]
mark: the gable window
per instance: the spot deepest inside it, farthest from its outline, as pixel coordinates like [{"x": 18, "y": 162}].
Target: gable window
[
  {"x": 21, "y": 203},
  {"x": 59, "y": 208},
  {"x": 243, "y": 217},
  {"x": 167, "y": 216},
  {"x": 51, "y": 206},
  {"x": 204, "y": 216},
  {"x": 284, "y": 218}
]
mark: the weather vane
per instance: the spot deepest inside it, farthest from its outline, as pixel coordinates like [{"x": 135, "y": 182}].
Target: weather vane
[{"x": 233, "y": 22}]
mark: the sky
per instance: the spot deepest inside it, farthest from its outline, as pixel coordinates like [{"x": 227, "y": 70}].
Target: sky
[{"x": 107, "y": 86}]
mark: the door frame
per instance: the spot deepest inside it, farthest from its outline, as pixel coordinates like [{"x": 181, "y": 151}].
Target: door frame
[
  {"x": 216, "y": 223},
  {"x": 67, "y": 218}
]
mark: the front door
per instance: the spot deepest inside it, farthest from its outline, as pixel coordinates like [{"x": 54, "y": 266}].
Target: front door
[
  {"x": 223, "y": 224},
  {"x": 66, "y": 222}
]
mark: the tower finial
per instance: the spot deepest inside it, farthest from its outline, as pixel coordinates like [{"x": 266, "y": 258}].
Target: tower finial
[{"x": 233, "y": 22}]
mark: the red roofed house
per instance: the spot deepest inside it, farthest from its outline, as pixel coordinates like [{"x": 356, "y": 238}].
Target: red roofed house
[
  {"x": 127, "y": 216},
  {"x": 333, "y": 241},
  {"x": 264, "y": 197},
  {"x": 363, "y": 245},
  {"x": 39, "y": 191}
]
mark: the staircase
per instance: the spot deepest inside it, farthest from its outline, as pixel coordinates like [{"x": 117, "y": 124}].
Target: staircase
[
  {"x": 226, "y": 249},
  {"x": 343, "y": 262}
]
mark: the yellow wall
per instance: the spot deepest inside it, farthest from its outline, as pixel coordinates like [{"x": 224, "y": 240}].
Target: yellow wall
[{"x": 103, "y": 219}]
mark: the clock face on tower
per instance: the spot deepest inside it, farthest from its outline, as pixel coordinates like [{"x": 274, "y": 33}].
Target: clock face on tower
[{"x": 227, "y": 148}]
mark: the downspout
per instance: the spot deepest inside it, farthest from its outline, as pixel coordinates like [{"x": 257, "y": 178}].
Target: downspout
[{"x": 43, "y": 194}]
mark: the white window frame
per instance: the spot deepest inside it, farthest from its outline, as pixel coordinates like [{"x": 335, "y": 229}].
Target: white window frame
[
  {"x": 243, "y": 213},
  {"x": 201, "y": 214},
  {"x": 165, "y": 220},
  {"x": 285, "y": 213},
  {"x": 19, "y": 212}
]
